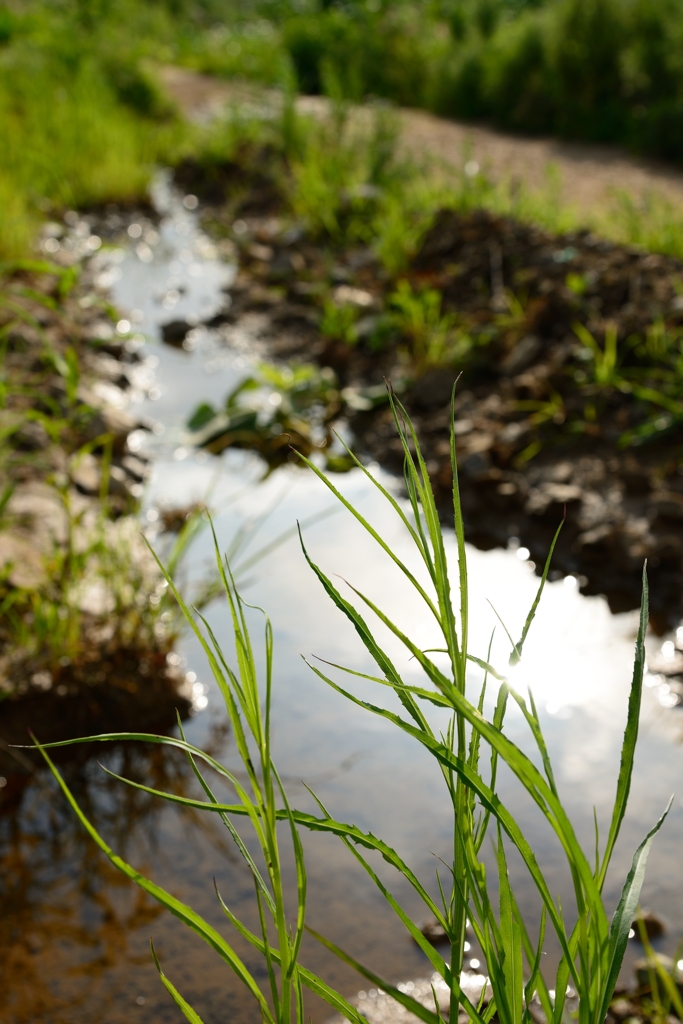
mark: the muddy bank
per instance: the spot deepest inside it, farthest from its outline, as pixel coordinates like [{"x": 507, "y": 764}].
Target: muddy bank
[
  {"x": 567, "y": 350},
  {"x": 528, "y": 447},
  {"x": 79, "y": 653}
]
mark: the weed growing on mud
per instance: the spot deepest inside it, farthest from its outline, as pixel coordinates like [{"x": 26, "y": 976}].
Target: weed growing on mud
[
  {"x": 434, "y": 337},
  {"x": 467, "y": 753}
]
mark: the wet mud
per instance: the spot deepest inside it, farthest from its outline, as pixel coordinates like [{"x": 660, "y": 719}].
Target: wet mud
[{"x": 540, "y": 435}]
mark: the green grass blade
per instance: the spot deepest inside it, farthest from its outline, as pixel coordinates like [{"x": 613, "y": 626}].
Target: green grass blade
[
  {"x": 176, "y": 907},
  {"x": 189, "y": 1013},
  {"x": 517, "y": 652},
  {"x": 373, "y": 533},
  {"x": 439, "y": 563},
  {"x": 378, "y": 655},
  {"x": 535, "y": 726},
  {"x": 511, "y": 940},
  {"x": 460, "y": 536},
  {"x": 630, "y": 733},
  {"x": 488, "y": 799},
  {"x": 412, "y": 1005},
  {"x": 626, "y": 911},
  {"x": 300, "y": 875}
]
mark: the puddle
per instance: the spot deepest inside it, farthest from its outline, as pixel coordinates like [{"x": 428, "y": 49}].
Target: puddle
[{"x": 77, "y": 933}]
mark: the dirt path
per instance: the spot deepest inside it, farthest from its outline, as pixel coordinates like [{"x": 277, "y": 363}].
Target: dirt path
[{"x": 589, "y": 174}]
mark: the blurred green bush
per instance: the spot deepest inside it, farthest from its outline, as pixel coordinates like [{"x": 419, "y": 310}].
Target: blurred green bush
[{"x": 85, "y": 122}]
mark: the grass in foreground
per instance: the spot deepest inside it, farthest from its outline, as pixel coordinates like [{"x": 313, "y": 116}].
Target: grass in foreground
[{"x": 467, "y": 755}]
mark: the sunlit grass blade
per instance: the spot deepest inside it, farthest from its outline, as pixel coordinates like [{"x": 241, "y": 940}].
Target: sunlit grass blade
[
  {"x": 438, "y": 564},
  {"x": 534, "y": 724},
  {"x": 379, "y": 656},
  {"x": 511, "y": 940},
  {"x": 459, "y": 525}
]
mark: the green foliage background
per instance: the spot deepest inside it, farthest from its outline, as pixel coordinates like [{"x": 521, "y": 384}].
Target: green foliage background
[{"x": 84, "y": 120}]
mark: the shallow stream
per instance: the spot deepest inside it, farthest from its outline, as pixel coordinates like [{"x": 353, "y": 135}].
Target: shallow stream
[{"x": 80, "y": 932}]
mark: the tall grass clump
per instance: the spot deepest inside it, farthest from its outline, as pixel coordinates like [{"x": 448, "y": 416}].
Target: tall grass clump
[
  {"x": 468, "y": 753},
  {"x": 80, "y": 127}
]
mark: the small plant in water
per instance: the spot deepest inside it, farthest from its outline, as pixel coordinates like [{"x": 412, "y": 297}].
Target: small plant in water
[
  {"x": 467, "y": 753},
  {"x": 277, "y": 409}
]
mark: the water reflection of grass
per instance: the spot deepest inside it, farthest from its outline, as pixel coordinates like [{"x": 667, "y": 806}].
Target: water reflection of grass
[{"x": 66, "y": 924}]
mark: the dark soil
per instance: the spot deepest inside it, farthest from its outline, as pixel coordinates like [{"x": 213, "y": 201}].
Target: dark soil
[
  {"x": 623, "y": 504},
  {"x": 536, "y": 432},
  {"x": 116, "y": 691},
  {"x": 58, "y": 436}
]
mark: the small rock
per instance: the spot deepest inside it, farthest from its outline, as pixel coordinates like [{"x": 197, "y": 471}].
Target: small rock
[
  {"x": 109, "y": 420},
  {"x": 345, "y": 295},
  {"x": 433, "y": 389},
  {"x": 263, "y": 253},
  {"x": 522, "y": 355},
  {"x": 512, "y": 432},
  {"x": 562, "y": 472},
  {"x": 475, "y": 465},
  {"x": 22, "y": 558},
  {"x": 31, "y": 437},
  {"x": 654, "y": 926},
  {"x": 119, "y": 482},
  {"x": 135, "y": 468},
  {"x": 174, "y": 332},
  {"x": 643, "y": 968},
  {"x": 433, "y": 932},
  {"x": 668, "y": 505},
  {"x": 541, "y": 499},
  {"x": 621, "y": 1009}
]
